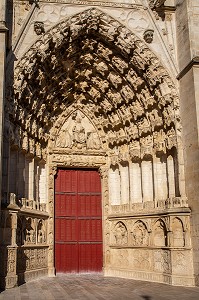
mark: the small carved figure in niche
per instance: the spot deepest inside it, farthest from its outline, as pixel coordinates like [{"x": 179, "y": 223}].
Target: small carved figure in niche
[
  {"x": 132, "y": 131},
  {"x": 41, "y": 236},
  {"x": 101, "y": 67},
  {"x": 159, "y": 141},
  {"x": 109, "y": 30},
  {"x": 50, "y": 238},
  {"x": 144, "y": 125},
  {"x": 120, "y": 233},
  {"x": 121, "y": 135},
  {"x": 171, "y": 138},
  {"x": 29, "y": 232},
  {"x": 127, "y": 93},
  {"x": 140, "y": 235},
  {"x": 168, "y": 114},
  {"x": 92, "y": 22},
  {"x": 79, "y": 135},
  {"x": 137, "y": 109},
  {"x": 93, "y": 141},
  {"x": 12, "y": 198},
  {"x": 124, "y": 40},
  {"x": 105, "y": 104},
  {"x": 115, "y": 79},
  {"x": 146, "y": 145},
  {"x": 120, "y": 64},
  {"x": 155, "y": 119},
  {"x": 134, "y": 149},
  {"x": 39, "y": 28},
  {"x": 148, "y": 36},
  {"x": 19, "y": 234}
]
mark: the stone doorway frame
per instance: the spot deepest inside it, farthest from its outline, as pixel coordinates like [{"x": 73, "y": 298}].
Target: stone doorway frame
[{"x": 56, "y": 160}]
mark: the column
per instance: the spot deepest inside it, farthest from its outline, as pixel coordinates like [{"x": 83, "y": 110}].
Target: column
[
  {"x": 160, "y": 178},
  {"x": 147, "y": 180},
  {"x": 135, "y": 182},
  {"x": 124, "y": 183},
  {"x": 171, "y": 176},
  {"x": 42, "y": 184},
  {"x": 3, "y": 33},
  {"x": 5, "y": 171},
  {"x": 27, "y": 159},
  {"x": 29, "y": 178},
  {"x": 13, "y": 172},
  {"x": 180, "y": 159},
  {"x": 178, "y": 184},
  {"x": 21, "y": 176},
  {"x": 114, "y": 185},
  {"x": 36, "y": 180}
]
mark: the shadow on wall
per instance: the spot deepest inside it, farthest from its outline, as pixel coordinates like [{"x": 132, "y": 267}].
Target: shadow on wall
[
  {"x": 7, "y": 251},
  {"x": 146, "y": 297}
]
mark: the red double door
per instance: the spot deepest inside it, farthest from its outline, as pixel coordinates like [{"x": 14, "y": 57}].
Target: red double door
[{"x": 78, "y": 221}]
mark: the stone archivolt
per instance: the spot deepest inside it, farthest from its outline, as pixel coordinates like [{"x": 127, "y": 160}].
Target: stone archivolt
[{"x": 69, "y": 65}]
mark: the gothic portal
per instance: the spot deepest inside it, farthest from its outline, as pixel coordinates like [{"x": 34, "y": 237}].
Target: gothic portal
[{"x": 99, "y": 157}]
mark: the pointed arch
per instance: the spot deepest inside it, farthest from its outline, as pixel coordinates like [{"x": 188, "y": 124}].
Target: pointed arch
[{"x": 91, "y": 60}]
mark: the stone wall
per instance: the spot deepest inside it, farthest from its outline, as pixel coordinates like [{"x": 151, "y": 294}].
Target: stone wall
[{"x": 187, "y": 30}]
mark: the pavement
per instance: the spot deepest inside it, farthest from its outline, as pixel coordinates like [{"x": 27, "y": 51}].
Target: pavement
[{"x": 95, "y": 286}]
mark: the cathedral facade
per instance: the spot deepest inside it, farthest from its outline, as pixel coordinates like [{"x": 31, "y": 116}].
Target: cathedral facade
[{"x": 99, "y": 134}]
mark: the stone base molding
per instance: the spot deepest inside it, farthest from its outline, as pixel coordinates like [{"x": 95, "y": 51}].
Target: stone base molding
[{"x": 150, "y": 276}]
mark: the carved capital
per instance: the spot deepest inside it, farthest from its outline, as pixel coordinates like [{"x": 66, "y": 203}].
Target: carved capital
[
  {"x": 103, "y": 172},
  {"x": 53, "y": 170}
]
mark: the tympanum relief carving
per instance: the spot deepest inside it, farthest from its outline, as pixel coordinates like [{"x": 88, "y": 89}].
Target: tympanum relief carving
[{"x": 78, "y": 133}]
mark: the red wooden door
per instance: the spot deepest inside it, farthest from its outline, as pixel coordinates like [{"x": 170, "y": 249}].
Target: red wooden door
[{"x": 78, "y": 221}]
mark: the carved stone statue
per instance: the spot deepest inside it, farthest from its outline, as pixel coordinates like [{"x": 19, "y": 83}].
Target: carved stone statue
[
  {"x": 39, "y": 28},
  {"x": 148, "y": 36},
  {"x": 140, "y": 235},
  {"x": 120, "y": 234},
  {"x": 93, "y": 141},
  {"x": 79, "y": 135},
  {"x": 64, "y": 139}
]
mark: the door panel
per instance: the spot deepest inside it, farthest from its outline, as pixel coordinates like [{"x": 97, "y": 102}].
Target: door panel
[{"x": 78, "y": 221}]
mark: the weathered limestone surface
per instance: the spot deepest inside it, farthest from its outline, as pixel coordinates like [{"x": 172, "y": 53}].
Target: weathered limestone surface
[
  {"x": 106, "y": 86},
  {"x": 187, "y": 30}
]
